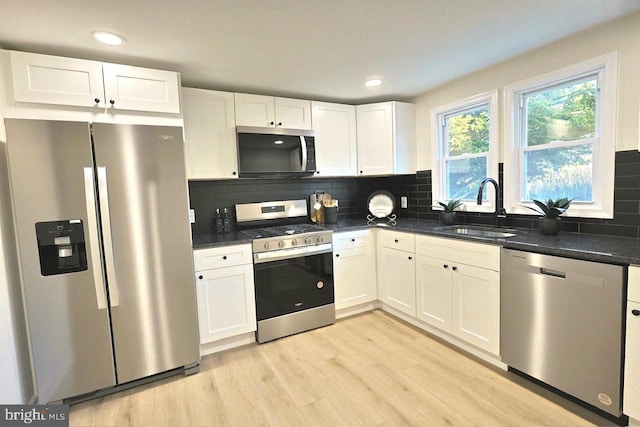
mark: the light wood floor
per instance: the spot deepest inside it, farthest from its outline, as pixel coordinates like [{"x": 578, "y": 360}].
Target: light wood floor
[{"x": 367, "y": 370}]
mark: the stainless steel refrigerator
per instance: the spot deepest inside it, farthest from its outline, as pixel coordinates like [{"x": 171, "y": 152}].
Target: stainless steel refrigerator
[{"x": 101, "y": 213}]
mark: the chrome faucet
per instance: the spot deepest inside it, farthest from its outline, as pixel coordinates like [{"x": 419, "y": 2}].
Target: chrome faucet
[{"x": 499, "y": 212}]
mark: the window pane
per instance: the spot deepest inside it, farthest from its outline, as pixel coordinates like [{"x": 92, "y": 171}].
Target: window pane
[
  {"x": 468, "y": 132},
  {"x": 463, "y": 177},
  {"x": 565, "y": 113},
  {"x": 559, "y": 172}
]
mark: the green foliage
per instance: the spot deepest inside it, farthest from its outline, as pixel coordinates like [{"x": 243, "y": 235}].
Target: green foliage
[
  {"x": 551, "y": 208},
  {"x": 451, "y": 205},
  {"x": 565, "y": 113},
  {"x": 469, "y": 133}
]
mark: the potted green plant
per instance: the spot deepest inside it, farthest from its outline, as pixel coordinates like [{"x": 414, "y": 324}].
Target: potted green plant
[
  {"x": 448, "y": 217},
  {"x": 551, "y": 210}
]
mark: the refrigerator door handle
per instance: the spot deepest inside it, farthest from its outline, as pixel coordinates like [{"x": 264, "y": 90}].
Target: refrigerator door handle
[
  {"x": 103, "y": 192},
  {"x": 92, "y": 225}
]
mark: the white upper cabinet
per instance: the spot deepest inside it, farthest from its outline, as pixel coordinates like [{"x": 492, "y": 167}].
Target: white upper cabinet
[
  {"x": 55, "y": 80},
  {"x": 269, "y": 111},
  {"x": 141, "y": 89},
  {"x": 293, "y": 113},
  {"x": 210, "y": 134},
  {"x": 335, "y": 137},
  {"x": 46, "y": 79},
  {"x": 386, "y": 138}
]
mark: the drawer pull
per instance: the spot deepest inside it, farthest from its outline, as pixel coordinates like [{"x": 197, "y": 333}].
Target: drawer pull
[
  {"x": 337, "y": 255},
  {"x": 353, "y": 240},
  {"x": 454, "y": 268},
  {"x": 446, "y": 265},
  {"x": 410, "y": 258},
  {"x": 201, "y": 277},
  {"x": 635, "y": 312},
  {"x": 396, "y": 240},
  {"x": 224, "y": 257}
]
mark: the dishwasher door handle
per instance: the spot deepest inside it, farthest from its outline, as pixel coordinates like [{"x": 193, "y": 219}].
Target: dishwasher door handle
[{"x": 554, "y": 273}]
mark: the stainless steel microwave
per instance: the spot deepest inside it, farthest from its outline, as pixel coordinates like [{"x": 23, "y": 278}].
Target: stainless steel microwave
[{"x": 275, "y": 152}]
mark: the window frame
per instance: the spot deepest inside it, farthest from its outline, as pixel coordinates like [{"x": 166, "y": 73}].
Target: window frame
[
  {"x": 438, "y": 178},
  {"x": 604, "y": 142}
]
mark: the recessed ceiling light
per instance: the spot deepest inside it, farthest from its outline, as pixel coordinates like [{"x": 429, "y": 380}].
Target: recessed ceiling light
[
  {"x": 373, "y": 83},
  {"x": 112, "y": 39}
]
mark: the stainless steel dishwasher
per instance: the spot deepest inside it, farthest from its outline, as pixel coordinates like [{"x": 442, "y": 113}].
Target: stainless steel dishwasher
[{"x": 562, "y": 323}]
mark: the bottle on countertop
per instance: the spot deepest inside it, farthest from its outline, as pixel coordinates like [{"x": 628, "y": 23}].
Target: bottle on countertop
[
  {"x": 217, "y": 222},
  {"x": 226, "y": 221}
]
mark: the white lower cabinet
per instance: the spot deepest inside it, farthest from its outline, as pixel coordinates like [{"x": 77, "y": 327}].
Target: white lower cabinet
[
  {"x": 396, "y": 271},
  {"x": 631, "y": 400},
  {"x": 456, "y": 297},
  {"x": 353, "y": 268},
  {"x": 225, "y": 294},
  {"x": 433, "y": 282}
]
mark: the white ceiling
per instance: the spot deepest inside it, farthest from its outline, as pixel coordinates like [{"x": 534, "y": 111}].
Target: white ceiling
[{"x": 317, "y": 49}]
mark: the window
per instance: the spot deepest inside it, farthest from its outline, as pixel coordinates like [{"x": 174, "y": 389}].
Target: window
[
  {"x": 562, "y": 128},
  {"x": 465, "y": 150}
]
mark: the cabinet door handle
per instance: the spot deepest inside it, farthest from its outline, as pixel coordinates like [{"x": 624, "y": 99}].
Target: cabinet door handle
[
  {"x": 224, "y": 257},
  {"x": 446, "y": 265},
  {"x": 454, "y": 268},
  {"x": 395, "y": 240},
  {"x": 234, "y": 173},
  {"x": 112, "y": 101},
  {"x": 337, "y": 255},
  {"x": 353, "y": 240},
  {"x": 410, "y": 258},
  {"x": 96, "y": 100},
  {"x": 271, "y": 123},
  {"x": 200, "y": 277},
  {"x": 635, "y": 312},
  {"x": 279, "y": 123}
]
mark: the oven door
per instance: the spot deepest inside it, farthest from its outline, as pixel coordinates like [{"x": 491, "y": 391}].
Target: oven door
[{"x": 293, "y": 280}]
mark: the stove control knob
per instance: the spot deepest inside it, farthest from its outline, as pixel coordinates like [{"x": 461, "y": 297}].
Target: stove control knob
[
  {"x": 320, "y": 239},
  {"x": 294, "y": 242},
  {"x": 267, "y": 245},
  {"x": 281, "y": 244},
  {"x": 307, "y": 240}
]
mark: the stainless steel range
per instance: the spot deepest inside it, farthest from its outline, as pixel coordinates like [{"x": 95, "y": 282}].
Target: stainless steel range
[{"x": 293, "y": 268}]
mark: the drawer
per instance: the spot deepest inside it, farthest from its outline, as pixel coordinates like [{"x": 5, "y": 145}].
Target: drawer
[
  {"x": 396, "y": 240},
  {"x": 633, "y": 291},
  {"x": 222, "y": 256},
  {"x": 455, "y": 250},
  {"x": 351, "y": 239}
]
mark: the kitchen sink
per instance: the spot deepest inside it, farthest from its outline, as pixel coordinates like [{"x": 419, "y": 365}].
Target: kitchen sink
[{"x": 471, "y": 230}]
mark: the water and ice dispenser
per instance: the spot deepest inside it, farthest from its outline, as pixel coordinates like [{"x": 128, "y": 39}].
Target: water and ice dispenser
[{"x": 61, "y": 247}]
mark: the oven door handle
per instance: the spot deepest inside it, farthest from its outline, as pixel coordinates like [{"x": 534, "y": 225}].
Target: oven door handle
[{"x": 292, "y": 253}]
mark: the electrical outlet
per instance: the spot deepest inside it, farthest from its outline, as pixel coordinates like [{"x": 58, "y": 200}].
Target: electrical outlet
[
  {"x": 403, "y": 202},
  {"x": 192, "y": 216}
]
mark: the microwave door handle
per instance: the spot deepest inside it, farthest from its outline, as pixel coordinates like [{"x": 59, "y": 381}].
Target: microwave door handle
[{"x": 303, "y": 150}]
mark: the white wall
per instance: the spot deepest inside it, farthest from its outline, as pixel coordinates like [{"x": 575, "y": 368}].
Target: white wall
[
  {"x": 622, "y": 35},
  {"x": 16, "y": 382}
]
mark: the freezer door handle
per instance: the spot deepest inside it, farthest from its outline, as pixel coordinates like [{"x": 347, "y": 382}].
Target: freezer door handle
[
  {"x": 103, "y": 192},
  {"x": 92, "y": 225}
]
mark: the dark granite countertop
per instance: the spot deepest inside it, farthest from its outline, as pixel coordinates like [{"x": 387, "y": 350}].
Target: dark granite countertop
[
  {"x": 590, "y": 247},
  {"x": 210, "y": 240}
]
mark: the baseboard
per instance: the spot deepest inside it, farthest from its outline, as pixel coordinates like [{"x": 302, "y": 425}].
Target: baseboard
[
  {"x": 356, "y": 309},
  {"x": 462, "y": 345},
  {"x": 227, "y": 343}
]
